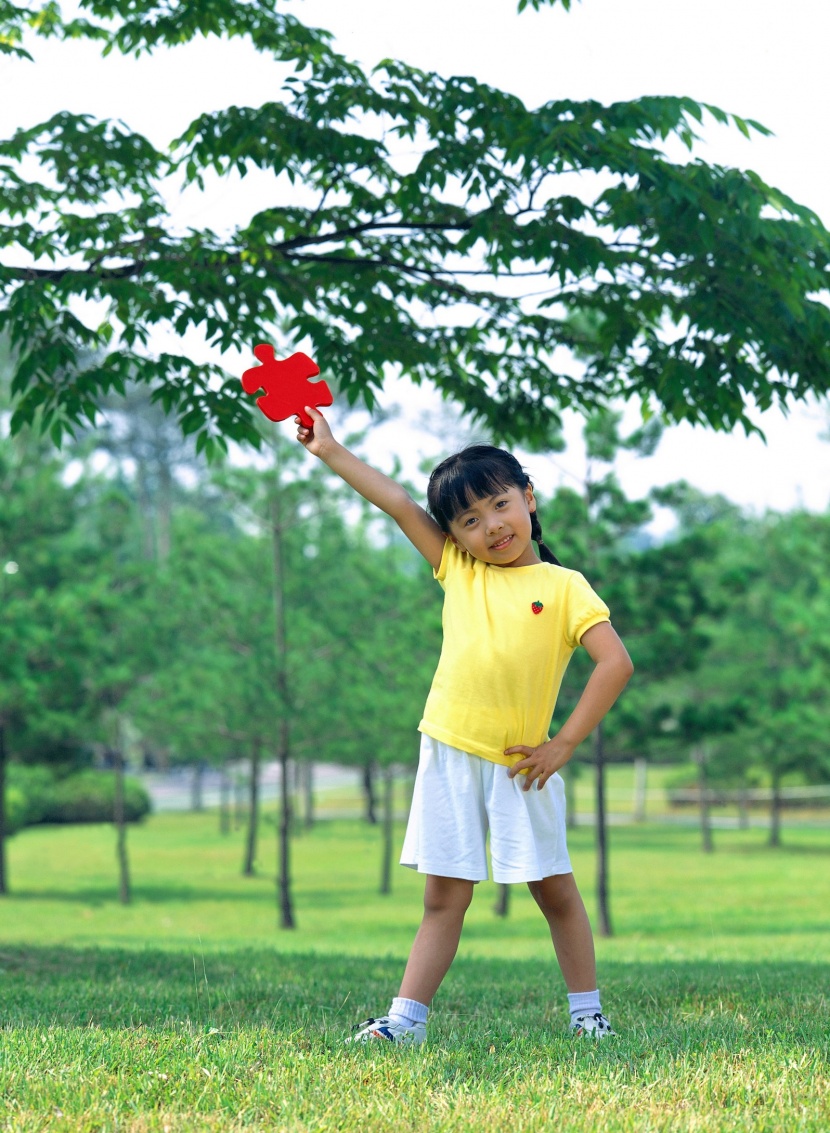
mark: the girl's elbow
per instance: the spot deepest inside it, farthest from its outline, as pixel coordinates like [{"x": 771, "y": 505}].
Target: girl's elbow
[{"x": 625, "y": 668}]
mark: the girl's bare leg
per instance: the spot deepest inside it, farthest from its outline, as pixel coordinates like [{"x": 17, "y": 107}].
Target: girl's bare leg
[
  {"x": 446, "y": 900},
  {"x": 570, "y": 929}
]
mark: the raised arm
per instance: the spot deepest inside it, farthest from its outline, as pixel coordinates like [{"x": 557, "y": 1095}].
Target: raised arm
[{"x": 419, "y": 528}]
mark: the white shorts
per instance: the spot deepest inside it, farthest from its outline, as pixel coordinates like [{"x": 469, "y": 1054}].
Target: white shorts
[{"x": 458, "y": 797}]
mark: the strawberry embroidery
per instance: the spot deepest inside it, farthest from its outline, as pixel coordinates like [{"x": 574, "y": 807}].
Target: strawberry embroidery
[{"x": 536, "y": 607}]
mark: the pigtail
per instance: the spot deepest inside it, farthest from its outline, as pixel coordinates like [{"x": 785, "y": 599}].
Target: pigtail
[{"x": 545, "y": 553}]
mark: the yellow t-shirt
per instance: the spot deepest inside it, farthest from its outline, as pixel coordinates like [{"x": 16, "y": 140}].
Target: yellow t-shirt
[{"x": 509, "y": 633}]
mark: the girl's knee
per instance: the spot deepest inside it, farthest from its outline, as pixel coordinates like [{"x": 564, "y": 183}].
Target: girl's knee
[
  {"x": 447, "y": 894},
  {"x": 555, "y": 895}
]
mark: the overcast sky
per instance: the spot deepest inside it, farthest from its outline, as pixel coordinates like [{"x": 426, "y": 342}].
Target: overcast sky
[{"x": 757, "y": 58}]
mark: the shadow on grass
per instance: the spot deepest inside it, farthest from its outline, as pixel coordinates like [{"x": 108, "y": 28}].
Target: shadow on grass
[
  {"x": 786, "y": 848},
  {"x": 258, "y": 889},
  {"x": 170, "y": 893},
  {"x": 237, "y": 990}
]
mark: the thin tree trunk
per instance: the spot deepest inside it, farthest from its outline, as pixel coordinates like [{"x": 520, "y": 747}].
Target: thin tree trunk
[
  {"x": 569, "y": 775},
  {"x": 238, "y": 795},
  {"x": 502, "y": 905},
  {"x": 307, "y": 779},
  {"x": 603, "y": 912},
  {"x": 388, "y": 823},
  {"x": 3, "y": 872},
  {"x": 121, "y": 827},
  {"x": 743, "y": 807},
  {"x": 295, "y": 768},
  {"x": 410, "y": 787},
  {"x": 164, "y": 510},
  {"x": 284, "y": 828},
  {"x": 369, "y": 794},
  {"x": 699, "y": 756},
  {"x": 640, "y": 781},
  {"x": 197, "y": 802},
  {"x": 284, "y": 898},
  {"x": 775, "y": 813},
  {"x": 253, "y": 809},
  {"x": 224, "y": 800}
]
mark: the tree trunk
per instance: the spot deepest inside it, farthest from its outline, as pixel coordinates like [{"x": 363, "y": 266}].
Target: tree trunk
[
  {"x": 224, "y": 800},
  {"x": 369, "y": 793},
  {"x": 164, "y": 507},
  {"x": 253, "y": 810},
  {"x": 640, "y": 781},
  {"x": 569, "y": 775},
  {"x": 743, "y": 807},
  {"x": 3, "y": 873},
  {"x": 604, "y": 915},
  {"x": 145, "y": 504},
  {"x": 284, "y": 835},
  {"x": 197, "y": 802},
  {"x": 699, "y": 756},
  {"x": 307, "y": 779},
  {"x": 284, "y": 899},
  {"x": 296, "y": 774},
  {"x": 388, "y": 825},
  {"x": 121, "y": 828},
  {"x": 775, "y": 813},
  {"x": 502, "y": 905},
  {"x": 238, "y": 795}
]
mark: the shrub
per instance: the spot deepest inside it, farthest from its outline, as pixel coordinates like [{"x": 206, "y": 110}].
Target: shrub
[
  {"x": 34, "y": 795},
  {"x": 89, "y": 796},
  {"x": 35, "y": 786},
  {"x": 16, "y": 807}
]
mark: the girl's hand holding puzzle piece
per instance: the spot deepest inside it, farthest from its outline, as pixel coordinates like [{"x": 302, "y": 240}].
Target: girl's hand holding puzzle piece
[{"x": 286, "y": 384}]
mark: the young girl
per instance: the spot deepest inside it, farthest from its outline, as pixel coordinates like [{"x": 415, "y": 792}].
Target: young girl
[{"x": 511, "y": 622}]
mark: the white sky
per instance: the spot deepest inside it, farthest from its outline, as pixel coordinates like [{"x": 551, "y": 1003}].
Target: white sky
[{"x": 760, "y": 59}]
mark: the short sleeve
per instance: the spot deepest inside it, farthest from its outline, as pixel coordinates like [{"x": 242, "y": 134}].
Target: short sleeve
[
  {"x": 444, "y": 565},
  {"x": 583, "y": 608},
  {"x": 454, "y": 562}
]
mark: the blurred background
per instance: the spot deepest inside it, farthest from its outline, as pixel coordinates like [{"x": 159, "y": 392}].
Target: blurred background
[{"x": 188, "y": 625}]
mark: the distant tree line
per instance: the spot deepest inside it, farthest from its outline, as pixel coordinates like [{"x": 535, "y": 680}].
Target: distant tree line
[
  {"x": 113, "y": 637},
  {"x": 242, "y": 616}
]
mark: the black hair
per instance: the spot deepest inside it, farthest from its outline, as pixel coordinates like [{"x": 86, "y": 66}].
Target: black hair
[{"x": 475, "y": 473}]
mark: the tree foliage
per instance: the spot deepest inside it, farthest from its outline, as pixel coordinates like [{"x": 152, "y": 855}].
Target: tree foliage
[
  {"x": 46, "y": 639},
  {"x": 362, "y": 627},
  {"x": 700, "y": 282},
  {"x": 772, "y": 651},
  {"x": 657, "y": 601}
]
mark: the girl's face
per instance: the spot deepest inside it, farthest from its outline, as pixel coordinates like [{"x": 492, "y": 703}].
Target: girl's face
[{"x": 497, "y": 529}]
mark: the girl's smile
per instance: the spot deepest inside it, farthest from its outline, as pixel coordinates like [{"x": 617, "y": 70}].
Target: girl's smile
[{"x": 496, "y": 529}]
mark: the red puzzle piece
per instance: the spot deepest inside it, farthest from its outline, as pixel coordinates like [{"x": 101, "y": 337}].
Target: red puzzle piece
[{"x": 286, "y": 385}]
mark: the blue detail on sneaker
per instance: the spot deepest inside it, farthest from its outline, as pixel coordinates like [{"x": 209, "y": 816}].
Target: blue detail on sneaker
[{"x": 384, "y": 1029}]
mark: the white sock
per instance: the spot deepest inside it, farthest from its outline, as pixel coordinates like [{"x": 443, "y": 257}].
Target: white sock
[
  {"x": 407, "y": 1012},
  {"x": 583, "y": 1003}
]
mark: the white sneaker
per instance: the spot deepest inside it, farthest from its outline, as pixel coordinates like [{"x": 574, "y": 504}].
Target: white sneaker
[
  {"x": 385, "y": 1029},
  {"x": 597, "y": 1026}
]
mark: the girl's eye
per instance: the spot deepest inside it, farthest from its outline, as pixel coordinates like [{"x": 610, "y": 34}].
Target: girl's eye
[
  {"x": 501, "y": 503},
  {"x": 467, "y": 522}
]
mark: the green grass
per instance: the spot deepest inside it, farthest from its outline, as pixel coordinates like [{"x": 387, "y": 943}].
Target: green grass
[{"x": 190, "y": 1010}]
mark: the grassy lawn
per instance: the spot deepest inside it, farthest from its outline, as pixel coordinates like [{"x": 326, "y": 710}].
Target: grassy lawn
[{"x": 190, "y": 1010}]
